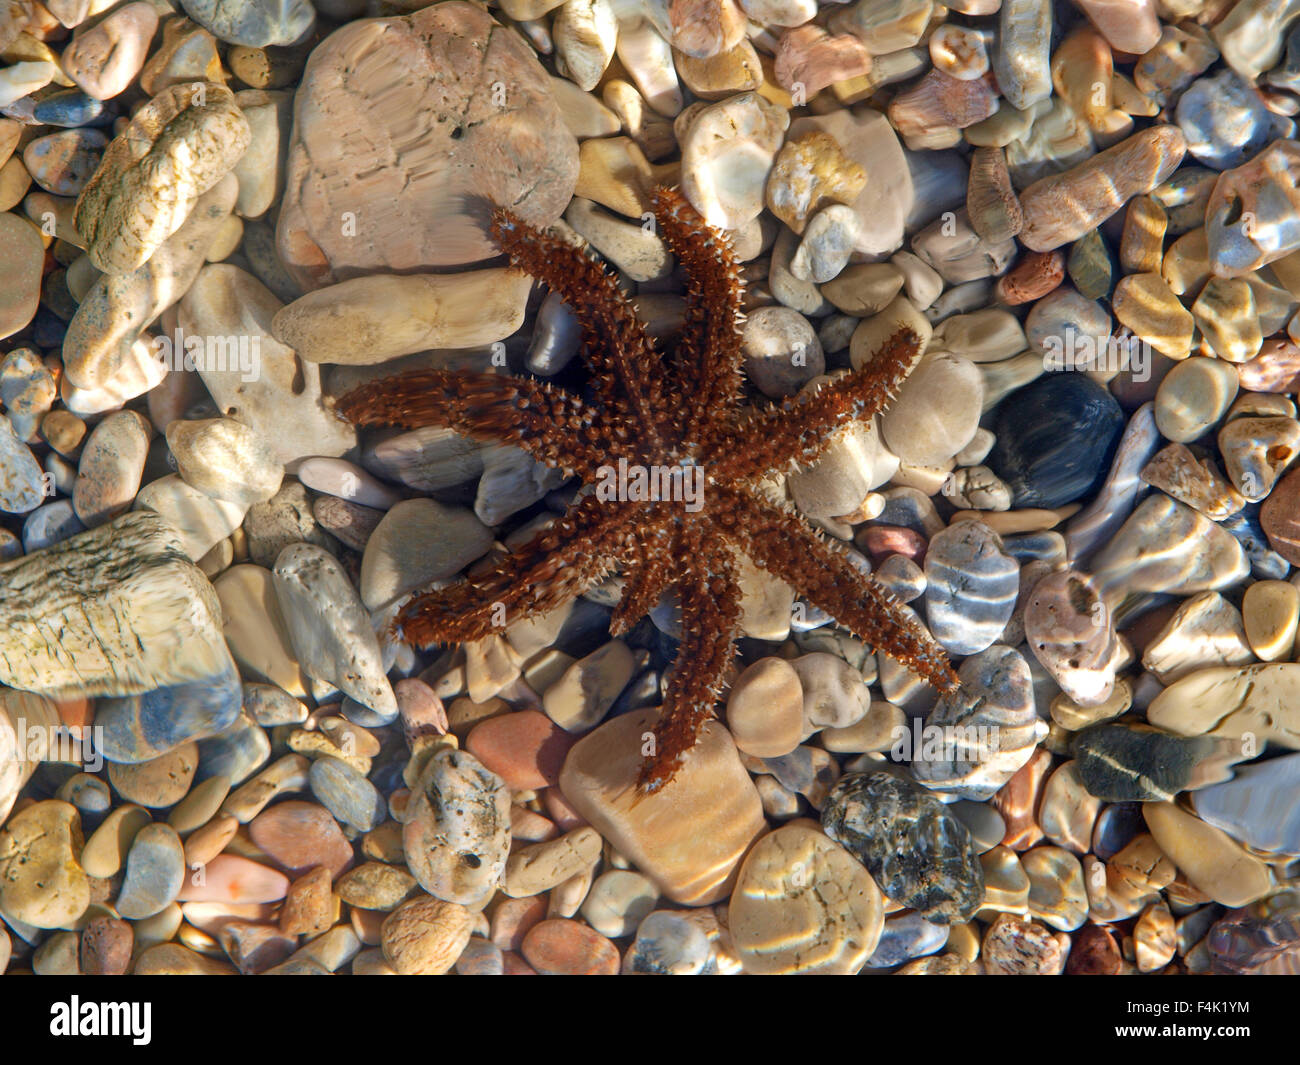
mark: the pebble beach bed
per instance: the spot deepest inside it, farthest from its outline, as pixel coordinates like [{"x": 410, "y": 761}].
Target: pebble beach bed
[{"x": 220, "y": 752}]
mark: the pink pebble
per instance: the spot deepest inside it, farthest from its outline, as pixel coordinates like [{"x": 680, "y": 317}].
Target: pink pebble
[
  {"x": 229, "y": 878},
  {"x": 881, "y": 540},
  {"x": 526, "y": 748}
]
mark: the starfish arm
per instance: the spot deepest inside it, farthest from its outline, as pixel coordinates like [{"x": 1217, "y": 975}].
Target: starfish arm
[
  {"x": 552, "y": 425},
  {"x": 801, "y": 429},
  {"x": 647, "y": 573},
  {"x": 556, "y": 565},
  {"x": 708, "y": 352},
  {"x": 780, "y": 542},
  {"x": 710, "y": 605},
  {"x": 622, "y": 358}
]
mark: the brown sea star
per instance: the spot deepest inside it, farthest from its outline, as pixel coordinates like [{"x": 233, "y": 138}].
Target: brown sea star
[{"x": 660, "y": 413}]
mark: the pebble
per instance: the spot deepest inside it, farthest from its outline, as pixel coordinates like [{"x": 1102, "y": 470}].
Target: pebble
[
  {"x": 987, "y": 730},
  {"x": 971, "y": 587},
  {"x": 329, "y": 627},
  {"x": 62, "y": 163},
  {"x": 887, "y": 823},
  {"x": 299, "y": 836},
  {"x": 1165, "y": 546},
  {"x": 1057, "y": 896},
  {"x": 1261, "y": 191},
  {"x": 936, "y": 411},
  {"x": 22, "y": 482},
  {"x": 457, "y": 833},
  {"x": 563, "y": 947},
  {"x": 584, "y": 693},
  {"x": 225, "y": 460},
  {"x": 1210, "y": 860},
  {"x": 106, "y": 946},
  {"x": 711, "y": 792},
  {"x": 1123, "y": 763},
  {"x": 347, "y": 794},
  {"x": 201, "y": 135},
  {"x": 1056, "y": 439},
  {"x": 1270, "y": 612},
  {"x": 158, "y": 782},
  {"x": 155, "y": 873},
  {"x": 1069, "y": 811},
  {"x": 20, "y": 274},
  {"x": 105, "y": 59},
  {"x": 1020, "y": 946},
  {"x": 1070, "y": 631},
  {"x": 765, "y": 708},
  {"x": 112, "y": 465},
  {"x": 1231, "y": 701},
  {"x": 41, "y": 883},
  {"x": 1063, "y": 207},
  {"x": 425, "y": 936},
  {"x": 450, "y": 56},
  {"x": 1205, "y": 630},
  {"x": 1257, "y": 807}
]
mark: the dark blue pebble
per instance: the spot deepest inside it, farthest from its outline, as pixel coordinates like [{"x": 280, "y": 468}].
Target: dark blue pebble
[
  {"x": 70, "y": 109},
  {"x": 1056, "y": 438}
]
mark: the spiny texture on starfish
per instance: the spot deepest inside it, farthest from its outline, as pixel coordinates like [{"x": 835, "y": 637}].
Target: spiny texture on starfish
[{"x": 659, "y": 412}]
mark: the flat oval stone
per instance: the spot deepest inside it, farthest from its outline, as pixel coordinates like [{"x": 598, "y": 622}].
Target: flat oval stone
[
  {"x": 457, "y": 833},
  {"x": 525, "y": 748},
  {"x": 1233, "y": 702},
  {"x": 417, "y": 541},
  {"x": 160, "y": 781},
  {"x": 112, "y": 463},
  {"x": 300, "y": 835},
  {"x": 1210, "y": 860},
  {"x": 347, "y": 794},
  {"x": 62, "y": 163},
  {"x": 1055, "y": 441},
  {"x": 668, "y": 944},
  {"x": 618, "y": 902},
  {"x": 803, "y": 904},
  {"x": 562, "y": 947},
  {"x": 919, "y": 854},
  {"x": 971, "y": 587},
  {"x": 985, "y": 731},
  {"x": 689, "y": 836},
  {"x": 225, "y": 459},
  {"x": 155, "y": 873},
  {"x": 425, "y": 936}
]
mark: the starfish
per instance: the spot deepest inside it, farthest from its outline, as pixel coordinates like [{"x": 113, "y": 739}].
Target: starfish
[{"x": 668, "y": 422}]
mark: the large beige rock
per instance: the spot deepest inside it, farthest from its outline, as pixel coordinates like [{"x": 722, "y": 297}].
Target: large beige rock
[
  {"x": 179, "y": 145},
  {"x": 803, "y": 904},
  {"x": 118, "y": 610},
  {"x": 370, "y": 320},
  {"x": 40, "y": 881},
  {"x": 406, "y": 130},
  {"x": 690, "y": 835},
  {"x": 1258, "y": 702}
]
